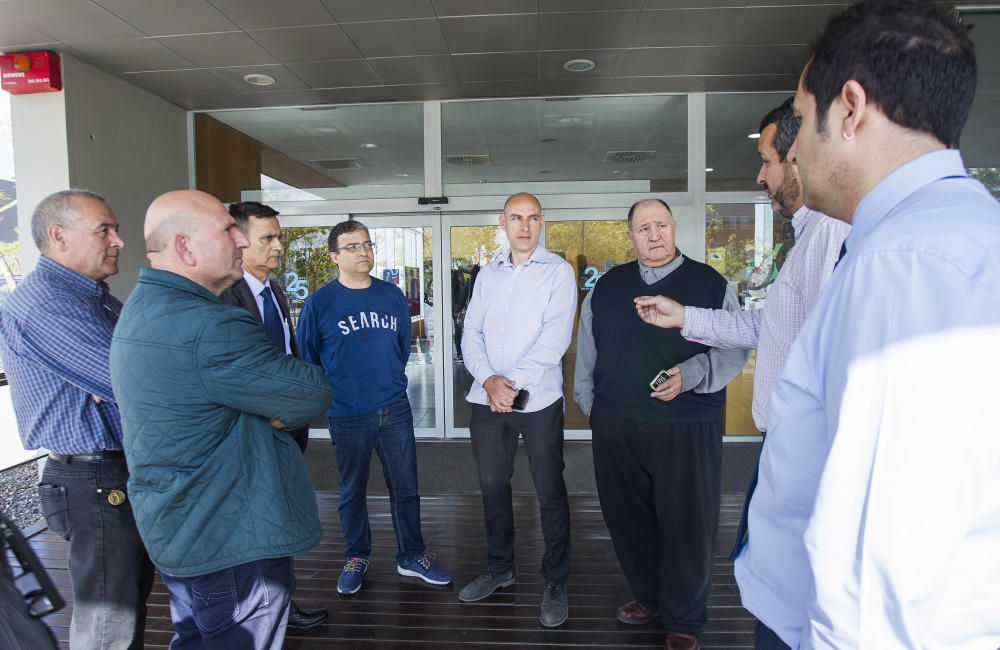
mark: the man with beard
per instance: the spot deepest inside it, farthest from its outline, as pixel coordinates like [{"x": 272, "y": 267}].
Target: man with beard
[{"x": 771, "y": 330}]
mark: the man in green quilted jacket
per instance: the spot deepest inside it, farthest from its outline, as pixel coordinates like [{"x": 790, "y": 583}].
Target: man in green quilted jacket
[{"x": 220, "y": 491}]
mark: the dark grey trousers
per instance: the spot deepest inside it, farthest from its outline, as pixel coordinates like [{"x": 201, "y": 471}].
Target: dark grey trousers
[{"x": 109, "y": 568}]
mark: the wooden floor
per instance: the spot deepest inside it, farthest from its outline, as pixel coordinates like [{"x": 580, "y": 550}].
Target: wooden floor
[{"x": 391, "y": 611}]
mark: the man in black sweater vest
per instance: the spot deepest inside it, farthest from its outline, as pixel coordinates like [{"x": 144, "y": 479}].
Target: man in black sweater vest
[{"x": 657, "y": 452}]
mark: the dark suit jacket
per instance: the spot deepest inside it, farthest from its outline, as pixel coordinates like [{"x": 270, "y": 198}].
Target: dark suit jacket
[{"x": 240, "y": 295}]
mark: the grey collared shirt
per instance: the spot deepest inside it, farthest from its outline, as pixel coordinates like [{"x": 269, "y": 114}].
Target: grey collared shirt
[{"x": 707, "y": 372}]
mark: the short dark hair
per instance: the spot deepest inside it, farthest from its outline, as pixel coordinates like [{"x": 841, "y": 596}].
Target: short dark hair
[
  {"x": 631, "y": 211},
  {"x": 242, "y": 212},
  {"x": 916, "y": 64},
  {"x": 788, "y": 127},
  {"x": 342, "y": 228}
]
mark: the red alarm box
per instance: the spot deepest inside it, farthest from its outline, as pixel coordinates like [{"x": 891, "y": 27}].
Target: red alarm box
[{"x": 30, "y": 72}]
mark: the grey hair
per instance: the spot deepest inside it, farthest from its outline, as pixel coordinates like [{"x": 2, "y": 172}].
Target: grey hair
[{"x": 54, "y": 209}]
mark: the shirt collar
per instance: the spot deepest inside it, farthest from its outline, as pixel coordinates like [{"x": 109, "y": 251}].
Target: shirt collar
[
  {"x": 665, "y": 269},
  {"x": 897, "y": 186},
  {"x": 801, "y": 219},
  {"x": 76, "y": 281},
  {"x": 540, "y": 254},
  {"x": 256, "y": 286}
]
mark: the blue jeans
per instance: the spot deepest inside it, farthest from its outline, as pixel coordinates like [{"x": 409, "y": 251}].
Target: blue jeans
[
  {"x": 245, "y": 606},
  {"x": 109, "y": 569},
  {"x": 389, "y": 432}
]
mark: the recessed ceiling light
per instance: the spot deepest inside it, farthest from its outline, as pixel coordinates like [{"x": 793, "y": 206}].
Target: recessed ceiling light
[
  {"x": 403, "y": 175},
  {"x": 255, "y": 79},
  {"x": 753, "y": 136},
  {"x": 327, "y": 129},
  {"x": 570, "y": 119},
  {"x": 579, "y": 65},
  {"x": 367, "y": 145},
  {"x": 710, "y": 169}
]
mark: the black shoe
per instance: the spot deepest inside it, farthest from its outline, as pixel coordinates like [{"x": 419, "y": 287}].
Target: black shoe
[
  {"x": 555, "y": 605},
  {"x": 301, "y": 620}
]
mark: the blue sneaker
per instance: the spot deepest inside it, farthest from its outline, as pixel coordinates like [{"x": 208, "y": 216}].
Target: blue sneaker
[
  {"x": 352, "y": 575},
  {"x": 424, "y": 568}
]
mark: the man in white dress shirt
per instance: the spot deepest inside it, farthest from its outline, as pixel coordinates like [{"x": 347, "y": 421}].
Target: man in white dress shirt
[{"x": 518, "y": 325}]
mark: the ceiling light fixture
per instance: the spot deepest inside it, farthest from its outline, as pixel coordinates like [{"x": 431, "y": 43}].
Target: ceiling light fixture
[
  {"x": 255, "y": 79},
  {"x": 753, "y": 136},
  {"x": 403, "y": 175},
  {"x": 710, "y": 169},
  {"x": 367, "y": 145},
  {"x": 570, "y": 119},
  {"x": 579, "y": 65},
  {"x": 327, "y": 129}
]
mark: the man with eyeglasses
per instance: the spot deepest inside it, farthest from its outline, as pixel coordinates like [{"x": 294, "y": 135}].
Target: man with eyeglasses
[{"x": 358, "y": 329}]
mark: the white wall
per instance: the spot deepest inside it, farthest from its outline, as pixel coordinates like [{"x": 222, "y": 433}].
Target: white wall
[
  {"x": 105, "y": 135},
  {"x": 128, "y": 146},
  {"x": 41, "y": 159}
]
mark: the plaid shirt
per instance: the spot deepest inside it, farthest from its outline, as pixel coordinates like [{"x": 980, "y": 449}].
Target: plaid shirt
[
  {"x": 773, "y": 329},
  {"x": 55, "y": 338}
]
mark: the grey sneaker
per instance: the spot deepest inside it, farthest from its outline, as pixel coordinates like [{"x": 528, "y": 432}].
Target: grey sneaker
[
  {"x": 485, "y": 585},
  {"x": 555, "y": 605}
]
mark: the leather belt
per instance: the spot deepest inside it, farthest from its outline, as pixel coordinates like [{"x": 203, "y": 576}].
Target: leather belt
[{"x": 92, "y": 457}]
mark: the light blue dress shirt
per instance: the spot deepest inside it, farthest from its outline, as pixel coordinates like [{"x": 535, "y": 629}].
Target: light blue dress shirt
[
  {"x": 876, "y": 518},
  {"x": 519, "y": 324}
]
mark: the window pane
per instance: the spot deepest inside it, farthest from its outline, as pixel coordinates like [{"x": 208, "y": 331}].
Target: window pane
[
  {"x": 312, "y": 153},
  {"x": 730, "y": 153},
  {"x": 565, "y": 145},
  {"x": 981, "y": 138},
  {"x": 593, "y": 248}
]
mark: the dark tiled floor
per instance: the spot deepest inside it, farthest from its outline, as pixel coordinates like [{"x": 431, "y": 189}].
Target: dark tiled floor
[{"x": 396, "y": 612}]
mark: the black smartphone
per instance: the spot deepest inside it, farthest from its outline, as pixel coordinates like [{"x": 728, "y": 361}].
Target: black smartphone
[
  {"x": 660, "y": 379},
  {"x": 520, "y": 400}
]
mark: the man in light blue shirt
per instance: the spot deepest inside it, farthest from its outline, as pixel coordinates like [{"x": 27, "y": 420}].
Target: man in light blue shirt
[
  {"x": 876, "y": 519},
  {"x": 517, "y": 327}
]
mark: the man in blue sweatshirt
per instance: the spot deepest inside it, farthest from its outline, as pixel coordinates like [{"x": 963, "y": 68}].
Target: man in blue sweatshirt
[{"x": 358, "y": 329}]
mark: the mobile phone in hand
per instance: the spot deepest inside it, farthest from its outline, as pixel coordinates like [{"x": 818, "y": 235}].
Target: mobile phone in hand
[
  {"x": 660, "y": 379},
  {"x": 520, "y": 400}
]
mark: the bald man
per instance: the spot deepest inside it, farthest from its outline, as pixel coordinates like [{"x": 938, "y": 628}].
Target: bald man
[
  {"x": 517, "y": 328},
  {"x": 219, "y": 487}
]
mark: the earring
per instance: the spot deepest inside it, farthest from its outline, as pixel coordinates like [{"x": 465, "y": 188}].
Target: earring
[{"x": 848, "y": 136}]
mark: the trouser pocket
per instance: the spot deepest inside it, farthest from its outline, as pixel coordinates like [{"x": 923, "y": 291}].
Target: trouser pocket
[{"x": 54, "y": 504}]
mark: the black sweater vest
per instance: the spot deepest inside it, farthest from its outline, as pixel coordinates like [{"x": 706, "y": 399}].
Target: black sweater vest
[{"x": 630, "y": 352}]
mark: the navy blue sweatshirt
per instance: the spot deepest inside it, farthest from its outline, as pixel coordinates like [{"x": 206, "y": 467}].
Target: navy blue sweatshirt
[{"x": 361, "y": 338}]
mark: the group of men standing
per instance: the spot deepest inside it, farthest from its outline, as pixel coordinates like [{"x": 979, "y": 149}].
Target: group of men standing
[{"x": 872, "y": 519}]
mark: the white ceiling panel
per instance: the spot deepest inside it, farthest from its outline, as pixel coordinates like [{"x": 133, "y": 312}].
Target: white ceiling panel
[
  {"x": 166, "y": 17},
  {"x": 262, "y": 14},
  {"x": 68, "y": 20},
  {"x": 131, "y": 55},
  {"x": 217, "y": 50},
  {"x": 294, "y": 44}
]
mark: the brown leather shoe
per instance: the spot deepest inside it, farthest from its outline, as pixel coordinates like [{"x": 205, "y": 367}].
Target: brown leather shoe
[
  {"x": 635, "y": 613},
  {"x": 680, "y": 641}
]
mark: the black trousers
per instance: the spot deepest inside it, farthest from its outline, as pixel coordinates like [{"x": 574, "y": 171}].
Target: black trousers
[
  {"x": 494, "y": 444},
  {"x": 660, "y": 486},
  {"x": 109, "y": 570}
]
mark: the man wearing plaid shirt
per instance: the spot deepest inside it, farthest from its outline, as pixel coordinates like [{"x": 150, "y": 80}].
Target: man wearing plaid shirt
[{"x": 55, "y": 340}]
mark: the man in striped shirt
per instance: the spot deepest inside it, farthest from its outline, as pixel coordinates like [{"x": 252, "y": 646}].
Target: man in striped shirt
[
  {"x": 770, "y": 330},
  {"x": 55, "y": 339}
]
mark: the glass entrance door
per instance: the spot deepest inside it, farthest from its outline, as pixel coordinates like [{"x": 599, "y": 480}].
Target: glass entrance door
[{"x": 404, "y": 256}]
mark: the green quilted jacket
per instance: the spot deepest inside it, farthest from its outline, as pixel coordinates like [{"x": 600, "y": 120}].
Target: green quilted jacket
[{"x": 212, "y": 484}]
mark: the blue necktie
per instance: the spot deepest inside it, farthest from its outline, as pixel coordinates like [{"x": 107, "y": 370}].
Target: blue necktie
[{"x": 272, "y": 319}]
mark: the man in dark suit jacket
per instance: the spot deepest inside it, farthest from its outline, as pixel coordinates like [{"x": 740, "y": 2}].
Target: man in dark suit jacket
[{"x": 262, "y": 296}]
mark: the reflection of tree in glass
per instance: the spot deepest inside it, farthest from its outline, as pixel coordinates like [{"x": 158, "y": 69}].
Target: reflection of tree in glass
[
  {"x": 602, "y": 244},
  {"x": 306, "y": 254},
  {"x": 734, "y": 251},
  {"x": 476, "y": 245},
  {"x": 988, "y": 176}
]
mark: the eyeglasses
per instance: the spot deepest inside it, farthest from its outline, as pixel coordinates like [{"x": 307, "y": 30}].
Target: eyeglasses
[{"x": 354, "y": 248}]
